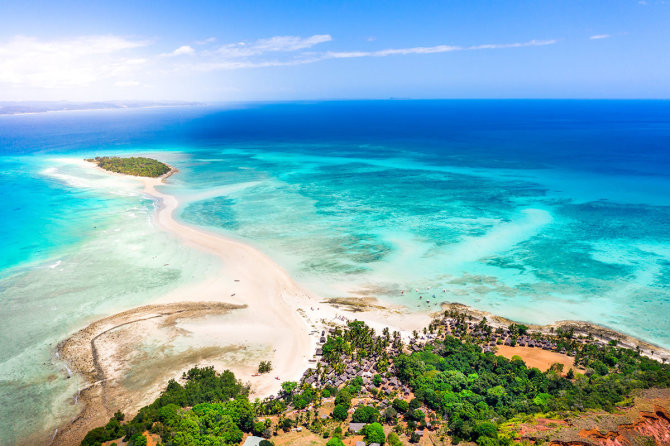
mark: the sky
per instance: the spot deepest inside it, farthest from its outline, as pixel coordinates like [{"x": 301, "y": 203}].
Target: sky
[{"x": 216, "y": 51}]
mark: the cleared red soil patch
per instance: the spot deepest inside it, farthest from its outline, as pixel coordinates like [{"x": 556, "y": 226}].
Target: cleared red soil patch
[{"x": 536, "y": 357}]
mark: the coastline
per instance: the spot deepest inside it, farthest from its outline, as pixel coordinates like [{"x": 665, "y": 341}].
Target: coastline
[
  {"x": 265, "y": 300},
  {"x": 266, "y": 307},
  {"x": 599, "y": 332}
]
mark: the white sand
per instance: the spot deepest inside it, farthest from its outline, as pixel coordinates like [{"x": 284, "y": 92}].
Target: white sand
[
  {"x": 271, "y": 296},
  {"x": 279, "y": 312}
]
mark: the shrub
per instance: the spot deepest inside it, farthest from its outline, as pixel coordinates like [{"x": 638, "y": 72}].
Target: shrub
[
  {"x": 393, "y": 439},
  {"x": 390, "y": 415},
  {"x": 401, "y": 406},
  {"x": 486, "y": 429},
  {"x": 374, "y": 433},
  {"x": 334, "y": 442},
  {"x": 343, "y": 398},
  {"x": 417, "y": 415},
  {"x": 340, "y": 412},
  {"x": 138, "y": 440},
  {"x": 264, "y": 367},
  {"x": 365, "y": 414}
]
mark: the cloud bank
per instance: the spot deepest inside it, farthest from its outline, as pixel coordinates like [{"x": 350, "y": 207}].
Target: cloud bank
[{"x": 123, "y": 63}]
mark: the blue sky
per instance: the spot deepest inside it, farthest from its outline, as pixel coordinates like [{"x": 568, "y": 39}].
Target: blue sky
[{"x": 283, "y": 50}]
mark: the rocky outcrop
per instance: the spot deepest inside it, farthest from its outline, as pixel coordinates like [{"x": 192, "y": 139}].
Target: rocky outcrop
[
  {"x": 645, "y": 423},
  {"x": 654, "y": 425}
]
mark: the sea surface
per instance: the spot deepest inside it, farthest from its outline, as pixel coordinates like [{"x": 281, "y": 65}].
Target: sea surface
[{"x": 535, "y": 210}]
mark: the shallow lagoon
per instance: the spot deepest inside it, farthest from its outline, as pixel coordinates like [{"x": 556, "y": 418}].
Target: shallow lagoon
[{"x": 536, "y": 210}]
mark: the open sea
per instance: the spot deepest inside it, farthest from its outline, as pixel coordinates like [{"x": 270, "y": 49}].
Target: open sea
[{"x": 537, "y": 210}]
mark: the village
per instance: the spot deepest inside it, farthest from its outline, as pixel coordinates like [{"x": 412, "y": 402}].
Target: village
[{"x": 381, "y": 389}]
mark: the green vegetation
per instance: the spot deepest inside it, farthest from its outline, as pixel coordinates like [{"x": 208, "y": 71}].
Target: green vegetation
[
  {"x": 448, "y": 385},
  {"x": 365, "y": 414},
  {"x": 264, "y": 367},
  {"x": 374, "y": 433},
  {"x": 220, "y": 412},
  {"x": 334, "y": 442},
  {"x": 468, "y": 388},
  {"x": 340, "y": 412},
  {"x": 138, "y": 166}
]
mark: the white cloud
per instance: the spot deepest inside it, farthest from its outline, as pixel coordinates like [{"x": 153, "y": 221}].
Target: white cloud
[
  {"x": 100, "y": 65},
  {"x": 69, "y": 62},
  {"x": 290, "y": 43},
  {"x": 183, "y": 50},
  {"x": 272, "y": 45},
  {"x": 206, "y": 41},
  {"x": 600, "y": 36},
  {"x": 432, "y": 49}
]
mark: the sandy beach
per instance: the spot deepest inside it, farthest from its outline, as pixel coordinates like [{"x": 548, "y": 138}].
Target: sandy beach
[{"x": 251, "y": 310}]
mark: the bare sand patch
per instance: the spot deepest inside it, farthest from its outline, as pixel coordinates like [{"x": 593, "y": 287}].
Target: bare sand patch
[
  {"x": 250, "y": 310},
  {"x": 114, "y": 355},
  {"x": 539, "y": 358}
]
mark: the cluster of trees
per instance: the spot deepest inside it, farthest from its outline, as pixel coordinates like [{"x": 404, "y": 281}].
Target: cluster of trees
[
  {"x": 220, "y": 412},
  {"x": 264, "y": 367},
  {"x": 475, "y": 391},
  {"x": 455, "y": 384},
  {"x": 136, "y": 165}
]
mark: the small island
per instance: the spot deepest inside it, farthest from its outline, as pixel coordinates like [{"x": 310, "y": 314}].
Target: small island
[{"x": 134, "y": 165}]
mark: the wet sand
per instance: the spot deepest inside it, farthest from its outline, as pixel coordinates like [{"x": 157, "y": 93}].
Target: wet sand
[{"x": 251, "y": 308}]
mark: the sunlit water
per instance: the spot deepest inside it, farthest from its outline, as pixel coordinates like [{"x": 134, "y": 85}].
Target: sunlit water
[{"x": 537, "y": 210}]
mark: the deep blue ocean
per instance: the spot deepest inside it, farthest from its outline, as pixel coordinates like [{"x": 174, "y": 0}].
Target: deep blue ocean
[{"x": 537, "y": 210}]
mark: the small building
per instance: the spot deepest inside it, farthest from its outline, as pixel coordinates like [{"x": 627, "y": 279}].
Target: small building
[
  {"x": 319, "y": 352},
  {"x": 360, "y": 443},
  {"x": 356, "y": 427},
  {"x": 252, "y": 441}
]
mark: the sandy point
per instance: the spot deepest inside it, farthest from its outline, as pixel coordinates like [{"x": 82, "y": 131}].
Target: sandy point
[{"x": 250, "y": 310}]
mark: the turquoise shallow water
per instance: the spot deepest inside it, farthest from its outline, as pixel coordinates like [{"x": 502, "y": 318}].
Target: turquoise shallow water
[
  {"x": 535, "y": 210},
  {"x": 499, "y": 240}
]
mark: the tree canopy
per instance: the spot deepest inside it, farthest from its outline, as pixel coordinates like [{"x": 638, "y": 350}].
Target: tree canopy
[{"x": 135, "y": 165}]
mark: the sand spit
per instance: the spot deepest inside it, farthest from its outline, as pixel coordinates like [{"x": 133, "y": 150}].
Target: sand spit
[
  {"x": 102, "y": 351},
  {"x": 251, "y": 310}
]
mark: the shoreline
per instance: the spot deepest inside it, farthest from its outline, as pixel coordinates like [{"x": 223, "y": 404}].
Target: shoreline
[
  {"x": 264, "y": 300},
  {"x": 599, "y": 332},
  {"x": 268, "y": 303}
]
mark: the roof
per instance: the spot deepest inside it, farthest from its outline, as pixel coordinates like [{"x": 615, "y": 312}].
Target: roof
[
  {"x": 356, "y": 427},
  {"x": 252, "y": 441}
]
